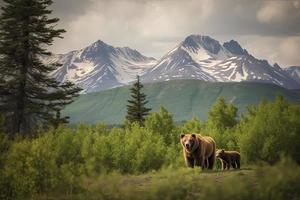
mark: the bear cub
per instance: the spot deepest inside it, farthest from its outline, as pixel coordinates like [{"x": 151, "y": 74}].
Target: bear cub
[{"x": 229, "y": 158}]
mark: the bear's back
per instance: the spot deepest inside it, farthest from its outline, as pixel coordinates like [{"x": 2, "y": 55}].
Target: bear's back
[
  {"x": 233, "y": 154},
  {"x": 206, "y": 139}
]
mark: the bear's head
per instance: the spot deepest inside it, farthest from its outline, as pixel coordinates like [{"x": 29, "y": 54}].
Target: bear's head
[
  {"x": 220, "y": 153},
  {"x": 189, "y": 142}
]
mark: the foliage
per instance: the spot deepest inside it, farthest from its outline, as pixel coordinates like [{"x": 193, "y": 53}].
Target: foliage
[
  {"x": 193, "y": 126},
  {"x": 161, "y": 123},
  {"x": 29, "y": 96},
  {"x": 269, "y": 130},
  {"x": 222, "y": 119},
  {"x": 222, "y": 116},
  {"x": 59, "y": 159},
  {"x": 66, "y": 160},
  {"x": 136, "y": 108}
]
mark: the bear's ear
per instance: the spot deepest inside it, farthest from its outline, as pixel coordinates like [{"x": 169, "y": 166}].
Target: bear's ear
[
  {"x": 223, "y": 150},
  {"x": 194, "y": 135},
  {"x": 182, "y": 135}
]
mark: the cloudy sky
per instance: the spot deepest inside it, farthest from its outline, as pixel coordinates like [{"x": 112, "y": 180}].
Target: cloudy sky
[{"x": 268, "y": 29}]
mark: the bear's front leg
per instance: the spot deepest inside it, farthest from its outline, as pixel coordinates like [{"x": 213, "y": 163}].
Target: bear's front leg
[
  {"x": 233, "y": 164},
  {"x": 228, "y": 164},
  {"x": 198, "y": 162},
  {"x": 223, "y": 164},
  {"x": 189, "y": 161}
]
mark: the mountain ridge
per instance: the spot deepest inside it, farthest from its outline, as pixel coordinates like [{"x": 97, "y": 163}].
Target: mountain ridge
[
  {"x": 101, "y": 66},
  {"x": 294, "y": 72},
  {"x": 204, "y": 58}
]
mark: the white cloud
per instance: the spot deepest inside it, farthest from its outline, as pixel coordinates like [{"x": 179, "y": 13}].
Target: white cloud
[
  {"x": 151, "y": 26},
  {"x": 155, "y": 26},
  {"x": 284, "y": 51},
  {"x": 278, "y": 11}
]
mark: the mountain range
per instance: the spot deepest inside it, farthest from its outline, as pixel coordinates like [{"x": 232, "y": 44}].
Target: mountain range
[{"x": 101, "y": 66}]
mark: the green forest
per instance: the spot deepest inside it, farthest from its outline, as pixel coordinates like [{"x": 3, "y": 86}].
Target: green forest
[{"x": 59, "y": 162}]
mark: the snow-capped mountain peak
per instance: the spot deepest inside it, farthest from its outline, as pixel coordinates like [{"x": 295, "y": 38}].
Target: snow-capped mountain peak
[
  {"x": 100, "y": 66},
  {"x": 204, "y": 58},
  {"x": 194, "y": 42},
  {"x": 294, "y": 72},
  {"x": 235, "y": 48}
]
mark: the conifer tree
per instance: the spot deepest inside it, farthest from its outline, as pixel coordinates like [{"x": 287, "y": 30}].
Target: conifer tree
[
  {"x": 136, "y": 108},
  {"x": 29, "y": 96}
]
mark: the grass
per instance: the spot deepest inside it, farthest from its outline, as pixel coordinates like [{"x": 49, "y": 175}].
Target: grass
[{"x": 248, "y": 183}]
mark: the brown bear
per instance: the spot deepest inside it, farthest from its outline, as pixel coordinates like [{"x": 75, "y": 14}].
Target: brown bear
[
  {"x": 198, "y": 150},
  {"x": 229, "y": 158}
]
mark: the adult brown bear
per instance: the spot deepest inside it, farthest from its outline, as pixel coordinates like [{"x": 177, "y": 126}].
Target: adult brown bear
[
  {"x": 229, "y": 158},
  {"x": 198, "y": 150}
]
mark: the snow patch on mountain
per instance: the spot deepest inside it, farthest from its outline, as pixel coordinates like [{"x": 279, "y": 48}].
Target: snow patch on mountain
[
  {"x": 100, "y": 66},
  {"x": 294, "y": 72},
  {"x": 203, "y": 58}
]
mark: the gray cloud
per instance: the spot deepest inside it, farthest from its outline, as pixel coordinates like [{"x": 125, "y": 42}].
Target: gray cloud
[
  {"x": 155, "y": 26},
  {"x": 70, "y": 10}
]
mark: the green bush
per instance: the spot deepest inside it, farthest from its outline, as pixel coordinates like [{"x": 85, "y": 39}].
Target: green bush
[
  {"x": 193, "y": 126},
  {"x": 161, "y": 123},
  {"x": 269, "y": 130},
  {"x": 221, "y": 124},
  {"x": 59, "y": 159},
  {"x": 222, "y": 115}
]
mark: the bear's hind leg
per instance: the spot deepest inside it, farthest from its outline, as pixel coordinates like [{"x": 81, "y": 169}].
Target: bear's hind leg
[
  {"x": 233, "y": 164},
  {"x": 211, "y": 162},
  {"x": 238, "y": 164}
]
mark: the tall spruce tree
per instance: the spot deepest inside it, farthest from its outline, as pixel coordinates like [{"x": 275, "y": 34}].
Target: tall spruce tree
[
  {"x": 136, "y": 108},
  {"x": 29, "y": 96}
]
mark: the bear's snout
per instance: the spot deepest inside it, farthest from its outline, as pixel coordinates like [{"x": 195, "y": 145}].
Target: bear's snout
[{"x": 187, "y": 145}]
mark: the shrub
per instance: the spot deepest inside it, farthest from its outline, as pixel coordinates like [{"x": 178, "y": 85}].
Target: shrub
[
  {"x": 193, "y": 126},
  {"x": 221, "y": 124},
  {"x": 161, "y": 123},
  {"x": 222, "y": 116},
  {"x": 270, "y": 129}
]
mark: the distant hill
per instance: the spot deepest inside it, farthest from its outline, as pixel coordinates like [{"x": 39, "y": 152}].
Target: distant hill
[{"x": 183, "y": 98}]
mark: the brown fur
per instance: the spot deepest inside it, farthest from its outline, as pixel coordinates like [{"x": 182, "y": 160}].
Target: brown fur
[
  {"x": 229, "y": 158},
  {"x": 201, "y": 150}
]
